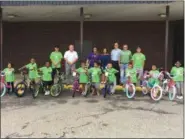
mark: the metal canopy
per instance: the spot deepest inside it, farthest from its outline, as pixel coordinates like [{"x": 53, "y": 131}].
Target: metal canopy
[{"x": 76, "y": 2}]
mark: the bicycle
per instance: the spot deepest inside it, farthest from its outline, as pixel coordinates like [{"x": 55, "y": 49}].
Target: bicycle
[
  {"x": 57, "y": 88},
  {"x": 22, "y": 86},
  {"x": 4, "y": 86},
  {"x": 89, "y": 85},
  {"x": 130, "y": 88},
  {"x": 168, "y": 86},
  {"x": 154, "y": 89},
  {"x": 108, "y": 86}
]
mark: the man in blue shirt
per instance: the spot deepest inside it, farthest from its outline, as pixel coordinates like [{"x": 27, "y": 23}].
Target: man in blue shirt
[{"x": 115, "y": 56}]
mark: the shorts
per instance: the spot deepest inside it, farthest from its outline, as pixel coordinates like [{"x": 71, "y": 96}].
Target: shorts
[{"x": 47, "y": 83}]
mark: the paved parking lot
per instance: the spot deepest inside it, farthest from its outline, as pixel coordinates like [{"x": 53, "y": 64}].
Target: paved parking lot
[{"x": 66, "y": 117}]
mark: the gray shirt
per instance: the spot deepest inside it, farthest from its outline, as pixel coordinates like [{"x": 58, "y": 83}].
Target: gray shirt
[{"x": 115, "y": 54}]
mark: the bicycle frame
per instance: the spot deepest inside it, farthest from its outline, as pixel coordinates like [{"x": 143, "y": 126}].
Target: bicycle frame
[{"x": 3, "y": 80}]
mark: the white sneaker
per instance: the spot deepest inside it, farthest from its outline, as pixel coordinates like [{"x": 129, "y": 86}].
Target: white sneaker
[
  {"x": 179, "y": 97},
  {"x": 47, "y": 93}
]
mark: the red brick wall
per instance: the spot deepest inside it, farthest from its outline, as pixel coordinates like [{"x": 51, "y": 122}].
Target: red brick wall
[{"x": 36, "y": 39}]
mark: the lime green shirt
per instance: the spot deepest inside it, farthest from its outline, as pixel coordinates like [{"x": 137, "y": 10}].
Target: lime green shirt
[
  {"x": 155, "y": 75},
  {"x": 138, "y": 60},
  {"x": 32, "y": 68},
  {"x": 132, "y": 73},
  {"x": 96, "y": 72},
  {"x": 83, "y": 75},
  {"x": 9, "y": 74},
  {"x": 56, "y": 57},
  {"x": 125, "y": 56},
  {"x": 111, "y": 74},
  {"x": 46, "y": 76},
  {"x": 178, "y": 74}
]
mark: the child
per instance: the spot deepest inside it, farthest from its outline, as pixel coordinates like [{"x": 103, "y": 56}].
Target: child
[
  {"x": 47, "y": 77},
  {"x": 110, "y": 76},
  {"x": 9, "y": 76},
  {"x": 82, "y": 71},
  {"x": 32, "y": 69},
  {"x": 131, "y": 73},
  {"x": 95, "y": 73},
  {"x": 154, "y": 75},
  {"x": 178, "y": 76}
]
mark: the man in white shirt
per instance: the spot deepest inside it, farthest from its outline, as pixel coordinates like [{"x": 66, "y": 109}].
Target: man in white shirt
[
  {"x": 71, "y": 58},
  {"x": 115, "y": 55}
]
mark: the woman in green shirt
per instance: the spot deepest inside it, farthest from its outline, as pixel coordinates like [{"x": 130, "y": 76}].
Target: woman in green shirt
[{"x": 9, "y": 76}]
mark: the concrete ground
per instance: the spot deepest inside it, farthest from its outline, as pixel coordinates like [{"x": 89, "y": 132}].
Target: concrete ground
[{"x": 67, "y": 117}]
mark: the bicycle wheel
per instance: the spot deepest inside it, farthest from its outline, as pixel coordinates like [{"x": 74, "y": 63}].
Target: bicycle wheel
[
  {"x": 55, "y": 90},
  {"x": 35, "y": 90},
  {"x": 3, "y": 89},
  {"x": 156, "y": 93},
  {"x": 105, "y": 89},
  {"x": 130, "y": 90},
  {"x": 20, "y": 89},
  {"x": 145, "y": 87},
  {"x": 172, "y": 93}
]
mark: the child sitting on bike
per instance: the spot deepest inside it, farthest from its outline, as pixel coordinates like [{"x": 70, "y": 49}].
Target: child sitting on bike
[
  {"x": 9, "y": 77},
  {"x": 95, "y": 72},
  {"x": 110, "y": 76},
  {"x": 46, "y": 77},
  {"x": 32, "y": 70},
  {"x": 83, "y": 80},
  {"x": 154, "y": 76},
  {"x": 178, "y": 76},
  {"x": 131, "y": 74}
]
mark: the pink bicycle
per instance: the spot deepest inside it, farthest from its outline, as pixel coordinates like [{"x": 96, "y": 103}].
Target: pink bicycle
[{"x": 3, "y": 85}]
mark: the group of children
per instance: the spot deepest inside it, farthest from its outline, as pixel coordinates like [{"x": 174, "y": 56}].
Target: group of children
[{"x": 97, "y": 74}]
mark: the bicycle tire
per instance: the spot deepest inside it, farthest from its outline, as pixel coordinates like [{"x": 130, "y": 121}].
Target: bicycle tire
[
  {"x": 20, "y": 89},
  {"x": 55, "y": 90},
  {"x": 171, "y": 95},
  {"x": 144, "y": 87},
  {"x": 153, "y": 91},
  {"x": 127, "y": 90},
  {"x": 36, "y": 90},
  {"x": 3, "y": 89}
]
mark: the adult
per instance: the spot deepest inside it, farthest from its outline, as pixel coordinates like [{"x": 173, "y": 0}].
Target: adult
[
  {"x": 138, "y": 60},
  {"x": 71, "y": 58},
  {"x": 93, "y": 56},
  {"x": 56, "y": 57},
  {"x": 125, "y": 58},
  {"x": 105, "y": 59},
  {"x": 115, "y": 55}
]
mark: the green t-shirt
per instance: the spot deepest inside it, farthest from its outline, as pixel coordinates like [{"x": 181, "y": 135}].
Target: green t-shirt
[
  {"x": 95, "y": 72},
  {"x": 132, "y": 73},
  {"x": 111, "y": 74},
  {"x": 178, "y": 74},
  {"x": 46, "y": 73},
  {"x": 83, "y": 75},
  {"x": 32, "y": 70},
  {"x": 56, "y": 57},
  {"x": 9, "y": 74},
  {"x": 154, "y": 76},
  {"x": 138, "y": 60},
  {"x": 125, "y": 56}
]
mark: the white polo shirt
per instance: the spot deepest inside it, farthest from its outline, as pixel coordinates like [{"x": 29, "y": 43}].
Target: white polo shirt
[{"x": 70, "y": 56}]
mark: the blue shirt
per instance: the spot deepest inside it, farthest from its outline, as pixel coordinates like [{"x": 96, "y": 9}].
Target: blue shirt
[
  {"x": 104, "y": 60},
  {"x": 115, "y": 54}
]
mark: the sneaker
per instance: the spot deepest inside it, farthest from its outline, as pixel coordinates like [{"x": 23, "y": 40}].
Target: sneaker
[
  {"x": 179, "y": 97},
  {"x": 47, "y": 93}
]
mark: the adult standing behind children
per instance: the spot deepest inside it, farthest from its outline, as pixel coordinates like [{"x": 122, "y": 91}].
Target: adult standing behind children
[
  {"x": 115, "y": 55},
  {"x": 125, "y": 58},
  {"x": 92, "y": 57},
  {"x": 56, "y": 58},
  {"x": 71, "y": 58},
  {"x": 138, "y": 60}
]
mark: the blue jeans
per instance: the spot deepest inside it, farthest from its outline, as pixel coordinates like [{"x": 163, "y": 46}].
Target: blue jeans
[
  {"x": 123, "y": 68},
  {"x": 180, "y": 88}
]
